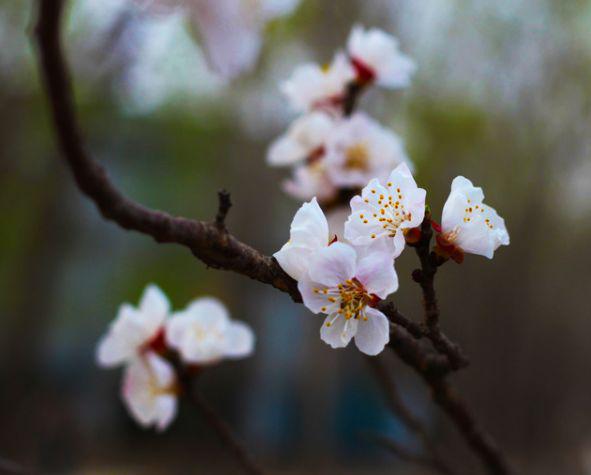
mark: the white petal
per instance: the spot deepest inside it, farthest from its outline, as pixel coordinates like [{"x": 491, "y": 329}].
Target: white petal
[
  {"x": 285, "y": 151},
  {"x": 231, "y": 35},
  {"x": 309, "y": 232},
  {"x": 309, "y": 226},
  {"x": 147, "y": 391},
  {"x": 113, "y": 351},
  {"x": 294, "y": 259},
  {"x": 337, "y": 332},
  {"x": 239, "y": 340},
  {"x": 372, "y": 334},
  {"x": 166, "y": 409},
  {"x": 154, "y": 306},
  {"x": 314, "y": 297},
  {"x": 376, "y": 272},
  {"x": 209, "y": 312},
  {"x": 333, "y": 265}
]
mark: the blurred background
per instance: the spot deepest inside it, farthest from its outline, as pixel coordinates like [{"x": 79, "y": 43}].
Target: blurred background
[{"x": 502, "y": 96}]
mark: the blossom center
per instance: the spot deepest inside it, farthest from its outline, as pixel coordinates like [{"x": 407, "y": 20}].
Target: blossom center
[
  {"x": 357, "y": 157},
  {"x": 349, "y": 299},
  {"x": 390, "y": 211}
]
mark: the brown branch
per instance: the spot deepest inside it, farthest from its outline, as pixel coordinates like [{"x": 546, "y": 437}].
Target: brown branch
[
  {"x": 397, "y": 406},
  {"x": 406, "y": 454},
  {"x": 425, "y": 276},
  {"x": 225, "y": 203},
  {"x": 207, "y": 241},
  {"x": 224, "y": 432}
]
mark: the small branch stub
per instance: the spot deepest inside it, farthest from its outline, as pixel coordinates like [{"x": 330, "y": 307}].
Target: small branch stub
[{"x": 225, "y": 203}]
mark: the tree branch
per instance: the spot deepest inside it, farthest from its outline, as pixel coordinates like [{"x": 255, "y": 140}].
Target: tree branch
[
  {"x": 397, "y": 406},
  {"x": 224, "y": 432},
  {"x": 208, "y": 241},
  {"x": 425, "y": 276}
]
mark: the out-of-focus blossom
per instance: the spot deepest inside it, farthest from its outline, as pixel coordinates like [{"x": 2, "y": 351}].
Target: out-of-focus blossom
[
  {"x": 311, "y": 181},
  {"x": 303, "y": 140},
  {"x": 203, "y": 333},
  {"x": 377, "y": 58},
  {"x": 308, "y": 233},
  {"x": 231, "y": 30},
  {"x": 134, "y": 329},
  {"x": 345, "y": 284},
  {"x": 149, "y": 391},
  {"x": 468, "y": 224},
  {"x": 312, "y": 86},
  {"x": 359, "y": 149},
  {"x": 385, "y": 211}
]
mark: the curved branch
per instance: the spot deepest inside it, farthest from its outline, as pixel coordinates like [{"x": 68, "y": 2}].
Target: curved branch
[
  {"x": 206, "y": 240},
  {"x": 210, "y": 241}
]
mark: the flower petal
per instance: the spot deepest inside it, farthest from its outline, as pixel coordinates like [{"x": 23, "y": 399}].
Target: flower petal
[
  {"x": 333, "y": 264},
  {"x": 372, "y": 334},
  {"x": 376, "y": 272},
  {"x": 239, "y": 340},
  {"x": 337, "y": 332}
]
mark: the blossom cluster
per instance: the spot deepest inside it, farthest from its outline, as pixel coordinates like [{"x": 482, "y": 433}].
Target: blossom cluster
[
  {"x": 346, "y": 280},
  {"x": 345, "y": 277},
  {"x": 151, "y": 342},
  {"x": 329, "y": 150}
]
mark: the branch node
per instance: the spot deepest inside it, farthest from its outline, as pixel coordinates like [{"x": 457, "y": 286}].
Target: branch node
[{"x": 225, "y": 203}]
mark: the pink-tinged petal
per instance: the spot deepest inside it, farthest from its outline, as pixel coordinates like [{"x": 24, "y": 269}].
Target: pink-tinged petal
[
  {"x": 154, "y": 307},
  {"x": 166, "y": 409},
  {"x": 113, "y": 351},
  {"x": 231, "y": 35},
  {"x": 309, "y": 226},
  {"x": 316, "y": 297},
  {"x": 293, "y": 259},
  {"x": 373, "y": 333},
  {"x": 333, "y": 265},
  {"x": 239, "y": 340},
  {"x": 337, "y": 331},
  {"x": 377, "y": 274}
]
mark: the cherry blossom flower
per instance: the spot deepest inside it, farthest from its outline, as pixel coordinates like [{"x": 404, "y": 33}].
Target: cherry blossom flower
[
  {"x": 149, "y": 391},
  {"x": 311, "y": 181},
  {"x": 384, "y": 212},
  {"x": 344, "y": 283},
  {"x": 231, "y": 30},
  {"x": 203, "y": 333},
  {"x": 377, "y": 58},
  {"x": 359, "y": 149},
  {"x": 134, "y": 329},
  {"x": 304, "y": 140},
  {"x": 313, "y": 87},
  {"x": 468, "y": 224},
  {"x": 308, "y": 233}
]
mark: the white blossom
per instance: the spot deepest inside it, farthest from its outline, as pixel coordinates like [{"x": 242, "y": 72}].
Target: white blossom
[
  {"x": 312, "y": 86},
  {"x": 359, "y": 149},
  {"x": 376, "y": 57},
  {"x": 134, "y": 328},
  {"x": 231, "y": 30},
  {"x": 344, "y": 283},
  {"x": 303, "y": 140},
  {"x": 149, "y": 391},
  {"x": 203, "y": 333},
  {"x": 308, "y": 233},
  {"x": 311, "y": 181},
  {"x": 470, "y": 225},
  {"x": 385, "y": 211}
]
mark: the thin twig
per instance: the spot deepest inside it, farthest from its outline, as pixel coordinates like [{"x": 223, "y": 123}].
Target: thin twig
[
  {"x": 224, "y": 432},
  {"x": 425, "y": 276},
  {"x": 225, "y": 203},
  {"x": 405, "y": 454},
  {"x": 397, "y": 406}
]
